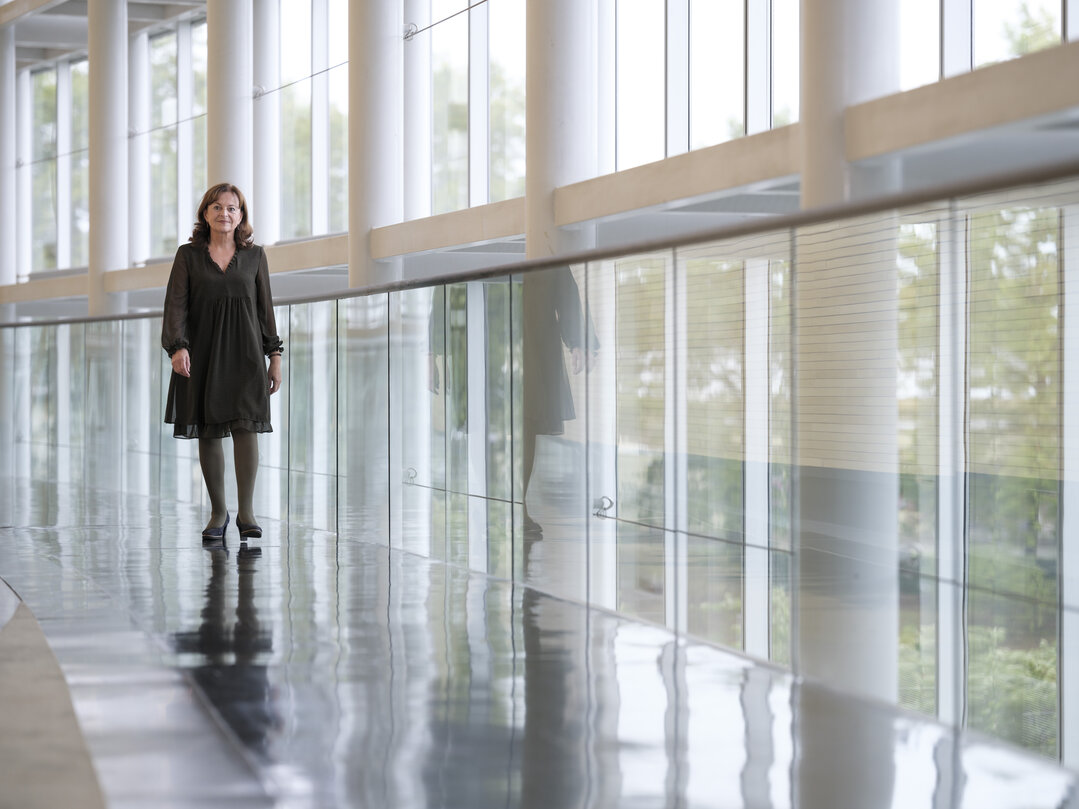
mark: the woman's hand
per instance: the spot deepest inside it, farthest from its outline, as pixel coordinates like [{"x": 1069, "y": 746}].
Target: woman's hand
[
  {"x": 274, "y": 373},
  {"x": 181, "y": 362}
]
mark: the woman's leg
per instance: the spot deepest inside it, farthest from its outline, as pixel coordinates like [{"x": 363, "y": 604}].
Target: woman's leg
[
  {"x": 212, "y": 461},
  {"x": 245, "y": 449}
]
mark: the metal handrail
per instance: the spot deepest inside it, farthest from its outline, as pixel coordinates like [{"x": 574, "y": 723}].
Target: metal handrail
[{"x": 1003, "y": 181}]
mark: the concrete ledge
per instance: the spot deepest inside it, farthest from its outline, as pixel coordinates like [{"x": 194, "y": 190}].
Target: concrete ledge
[{"x": 44, "y": 762}]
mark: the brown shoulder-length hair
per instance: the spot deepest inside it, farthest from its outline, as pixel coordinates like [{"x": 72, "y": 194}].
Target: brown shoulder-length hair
[{"x": 201, "y": 234}]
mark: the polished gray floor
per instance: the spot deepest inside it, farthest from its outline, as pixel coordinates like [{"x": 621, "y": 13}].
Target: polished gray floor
[{"x": 310, "y": 670}]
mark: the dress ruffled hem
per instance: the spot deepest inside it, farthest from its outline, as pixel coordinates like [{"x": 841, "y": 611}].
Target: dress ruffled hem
[{"x": 220, "y": 430}]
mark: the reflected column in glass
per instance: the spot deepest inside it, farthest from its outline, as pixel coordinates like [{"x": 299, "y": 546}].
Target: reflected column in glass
[{"x": 363, "y": 441}]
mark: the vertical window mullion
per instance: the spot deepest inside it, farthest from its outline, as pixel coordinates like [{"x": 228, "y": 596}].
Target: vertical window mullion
[
  {"x": 677, "y": 61},
  {"x": 1068, "y": 631},
  {"x": 320, "y": 118},
  {"x": 63, "y": 165},
  {"x": 479, "y": 105}
]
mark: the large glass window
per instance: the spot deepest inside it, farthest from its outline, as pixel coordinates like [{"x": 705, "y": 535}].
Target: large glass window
[
  {"x": 80, "y": 163},
  {"x": 507, "y": 99},
  {"x": 164, "y": 145},
  {"x": 1004, "y": 29},
  {"x": 785, "y": 54},
  {"x": 198, "y": 110},
  {"x": 716, "y": 71},
  {"x": 449, "y": 111},
  {"x": 295, "y": 118},
  {"x": 917, "y": 391},
  {"x": 1013, "y": 482},
  {"x": 640, "y": 91},
  {"x": 43, "y": 170}
]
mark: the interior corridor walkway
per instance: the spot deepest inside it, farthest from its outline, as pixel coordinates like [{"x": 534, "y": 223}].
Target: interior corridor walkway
[{"x": 310, "y": 670}]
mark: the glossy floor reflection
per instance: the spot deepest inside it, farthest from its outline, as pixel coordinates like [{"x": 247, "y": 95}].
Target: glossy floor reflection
[{"x": 304, "y": 670}]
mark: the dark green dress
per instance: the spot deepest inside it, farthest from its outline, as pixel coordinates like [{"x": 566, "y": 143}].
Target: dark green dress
[{"x": 226, "y": 322}]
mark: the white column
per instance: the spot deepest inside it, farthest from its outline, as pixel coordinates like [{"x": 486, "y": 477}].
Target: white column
[
  {"x": 24, "y": 151},
  {"x": 8, "y": 198},
  {"x": 376, "y": 171},
  {"x": 229, "y": 25},
  {"x": 265, "y": 199},
  {"x": 849, "y": 54},
  {"x": 1071, "y": 20},
  {"x": 138, "y": 155},
  {"x": 108, "y": 151},
  {"x": 560, "y": 108},
  {"x": 417, "y": 112}
]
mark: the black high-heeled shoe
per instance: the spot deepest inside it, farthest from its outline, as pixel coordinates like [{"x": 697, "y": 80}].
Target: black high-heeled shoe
[
  {"x": 248, "y": 530},
  {"x": 216, "y": 533}
]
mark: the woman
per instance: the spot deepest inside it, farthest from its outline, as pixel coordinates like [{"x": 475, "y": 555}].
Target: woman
[{"x": 218, "y": 325}]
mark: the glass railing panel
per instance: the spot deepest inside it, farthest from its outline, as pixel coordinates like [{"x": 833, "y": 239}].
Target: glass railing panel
[
  {"x": 363, "y": 400},
  {"x": 918, "y": 434},
  {"x": 42, "y": 357},
  {"x": 104, "y": 405},
  {"x": 312, "y": 419},
  {"x": 1014, "y": 505},
  {"x": 272, "y": 494},
  {"x": 142, "y": 405}
]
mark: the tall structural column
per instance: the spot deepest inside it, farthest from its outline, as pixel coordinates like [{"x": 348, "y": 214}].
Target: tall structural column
[
  {"x": 375, "y": 123},
  {"x": 7, "y": 154},
  {"x": 229, "y": 115},
  {"x": 849, "y": 54},
  {"x": 266, "y": 189},
  {"x": 108, "y": 151},
  {"x": 845, "y": 324},
  {"x": 561, "y": 114}
]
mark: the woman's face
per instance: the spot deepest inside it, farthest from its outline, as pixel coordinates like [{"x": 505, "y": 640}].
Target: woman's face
[{"x": 224, "y": 214}]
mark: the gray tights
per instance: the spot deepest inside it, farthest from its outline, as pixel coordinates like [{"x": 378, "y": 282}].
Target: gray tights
[{"x": 245, "y": 450}]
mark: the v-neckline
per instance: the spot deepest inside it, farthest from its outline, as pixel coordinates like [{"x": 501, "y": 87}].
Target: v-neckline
[{"x": 220, "y": 269}]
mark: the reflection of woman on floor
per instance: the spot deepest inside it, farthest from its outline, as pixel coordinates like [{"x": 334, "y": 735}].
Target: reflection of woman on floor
[
  {"x": 551, "y": 316},
  {"x": 228, "y": 671}
]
